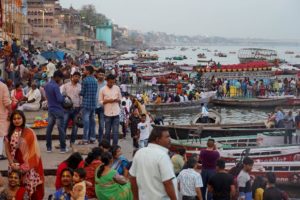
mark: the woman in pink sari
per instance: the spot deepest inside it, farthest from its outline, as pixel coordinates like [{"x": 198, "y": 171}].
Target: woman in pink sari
[
  {"x": 23, "y": 153},
  {"x": 16, "y": 96}
]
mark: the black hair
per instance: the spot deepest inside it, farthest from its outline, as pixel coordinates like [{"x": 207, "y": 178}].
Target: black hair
[
  {"x": 12, "y": 127},
  {"x": 94, "y": 154},
  {"x": 259, "y": 182},
  {"x": 67, "y": 170},
  {"x": 211, "y": 140},
  {"x": 90, "y": 69},
  {"x": 248, "y": 161},
  {"x": 81, "y": 172},
  {"x": 18, "y": 85},
  {"x": 101, "y": 70},
  {"x": 157, "y": 133},
  {"x": 18, "y": 172},
  {"x": 191, "y": 162},
  {"x": 105, "y": 144},
  {"x": 114, "y": 150},
  {"x": 76, "y": 74},
  {"x": 110, "y": 77},
  {"x": 105, "y": 159},
  {"x": 123, "y": 103},
  {"x": 221, "y": 164},
  {"x": 181, "y": 151},
  {"x": 143, "y": 115},
  {"x": 49, "y": 59},
  {"x": 58, "y": 74},
  {"x": 74, "y": 160},
  {"x": 271, "y": 177}
]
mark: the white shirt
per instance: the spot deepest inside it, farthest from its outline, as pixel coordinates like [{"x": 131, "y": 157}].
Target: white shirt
[
  {"x": 110, "y": 109},
  {"x": 144, "y": 130},
  {"x": 123, "y": 87},
  {"x": 204, "y": 111},
  {"x": 181, "y": 98},
  {"x": 50, "y": 69},
  {"x": 34, "y": 94},
  {"x": 191, "y": 86},
  {"x": 152, "y": 166},
  {"x": 188, "y": 180},
  {"x": 128, "y": 103}
]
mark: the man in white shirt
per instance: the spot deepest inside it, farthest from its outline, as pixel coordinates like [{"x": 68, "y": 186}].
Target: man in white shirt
[
  {"x": 152, "y": 174},
  {"x": 191, "y": 86},
  {"x": 110, "y": 97},
  {"x": 32, "y": 99},
  {"x": 51, "y": 68},
  {"x": 204, "y": 113}
]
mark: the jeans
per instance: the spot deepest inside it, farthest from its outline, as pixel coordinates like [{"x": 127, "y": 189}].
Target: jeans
[
  {"x": 57, "y": 117},
  {"x": 89, "y": 124},
  {"x": 71, "y": 114},
  {"x": 206, "y": 175},
  {"x": 288, "y": 136},
  {"x": 143, "y": 143},
  {"x": 100, "y": 113},
  {"x": 112, "y": 125}
]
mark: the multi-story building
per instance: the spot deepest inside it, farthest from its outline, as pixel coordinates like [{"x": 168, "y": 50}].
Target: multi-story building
[{"x": 41, "y": 16}]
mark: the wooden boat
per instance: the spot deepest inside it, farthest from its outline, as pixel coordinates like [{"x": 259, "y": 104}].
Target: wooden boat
[
  {"x": 194, "y": 143},
  {"x": 177, "y": 105},
  {"x": 251, "y": 102},
  {"x": 287, "y": 173},
  {"x": 179, "y": 132},
  {"x": 213, "y": 118}
]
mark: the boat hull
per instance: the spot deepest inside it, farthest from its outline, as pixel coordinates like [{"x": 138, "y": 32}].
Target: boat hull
[{"x": 252, "y": 103}]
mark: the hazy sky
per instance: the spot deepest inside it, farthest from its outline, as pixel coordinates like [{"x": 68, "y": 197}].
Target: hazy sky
[{"x": 274, "y": 19}]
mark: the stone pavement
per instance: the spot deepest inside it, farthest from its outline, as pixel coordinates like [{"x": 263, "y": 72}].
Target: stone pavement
[{"x": 52, "y": 160}]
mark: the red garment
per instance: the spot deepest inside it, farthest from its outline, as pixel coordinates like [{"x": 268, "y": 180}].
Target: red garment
[
  {"x": 20, "y": 193},
  {"x": 90, "y": 176},
  {"x": 16, "y": 96},
  {"x": 60, "y": 168}
]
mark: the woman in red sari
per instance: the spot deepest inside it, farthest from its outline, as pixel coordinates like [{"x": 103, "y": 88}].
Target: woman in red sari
[
  {"x": 23, "y": 154},
  {"x": 14, "y": 189},
  {"x": 16, "y": 96}
]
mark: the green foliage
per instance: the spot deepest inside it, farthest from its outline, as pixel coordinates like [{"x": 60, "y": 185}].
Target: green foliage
[{"x": 90, "y": 16}]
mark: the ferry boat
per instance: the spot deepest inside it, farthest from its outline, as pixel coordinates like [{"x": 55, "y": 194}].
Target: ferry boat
[{"x": 246, "y": 55}]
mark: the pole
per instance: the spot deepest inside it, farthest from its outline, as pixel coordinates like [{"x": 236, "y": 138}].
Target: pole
[{"x": 43, "y": 18}]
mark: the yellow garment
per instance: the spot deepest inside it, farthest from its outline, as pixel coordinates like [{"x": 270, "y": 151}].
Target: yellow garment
[
  {"x": 178, "y": 163},
  {"x": 259, "y": 194}
]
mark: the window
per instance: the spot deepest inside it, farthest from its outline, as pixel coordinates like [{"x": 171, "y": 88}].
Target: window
[
  {"x": 295, "y": 168},
  {"x": 281, "y": 168}
]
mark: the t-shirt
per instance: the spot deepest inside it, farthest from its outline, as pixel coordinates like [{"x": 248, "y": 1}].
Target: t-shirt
[
  {"x": 209, "y": 158},
  {"x": 188, "y": 180},
  {"x": 244, "y": 185},
  {"x": 144, "y": 130},
  {"x": 273, "y": 193},
  {"x": 221, "y": 182}
]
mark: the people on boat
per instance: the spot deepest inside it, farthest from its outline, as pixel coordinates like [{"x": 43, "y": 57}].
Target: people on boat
[
  {"x": 289, "y": 125},
  {"x": 270, "y": 123},
  {"x": 204, "y": 113}
]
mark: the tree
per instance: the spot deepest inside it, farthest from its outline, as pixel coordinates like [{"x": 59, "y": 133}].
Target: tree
[{"x": 90, "y": 16}]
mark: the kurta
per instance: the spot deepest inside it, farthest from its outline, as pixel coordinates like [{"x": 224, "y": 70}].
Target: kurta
[{"x": 4, "y": 102}]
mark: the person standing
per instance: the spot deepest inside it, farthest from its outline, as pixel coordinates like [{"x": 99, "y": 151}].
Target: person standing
[
  {"x": 221, "y": 185},
  {"x": 297, "y": 124},
  {"x": 190, "y": 181},
  {"x": 55, "y": 112},
  {"x": 110, "y": 97},
  {"x": 88, "y": 93},
  {"x": 152, "y": 175},
  {"x": 51, "y": 68},
  {"x": 244, "y": 180},
  {"x": 272, "y": 192},
  {"x": 72, "y": 89},
  {"x": 5, "y": 110},
  {"x": 204, "y": 113},
  {"x": 178, "y": 160},
  {"x": 289, "y": 124},
  {"x": 208, "y": 158},
  {"x": 99, "y": 108}
]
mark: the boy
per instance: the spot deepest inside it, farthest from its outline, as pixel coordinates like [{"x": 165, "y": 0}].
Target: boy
[
  {"x": 244, "y": 180},
  {"x": 143, "y": 132}
]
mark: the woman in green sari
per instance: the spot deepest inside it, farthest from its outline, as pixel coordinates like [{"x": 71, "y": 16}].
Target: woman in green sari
[{"x": 109, "y": 184}]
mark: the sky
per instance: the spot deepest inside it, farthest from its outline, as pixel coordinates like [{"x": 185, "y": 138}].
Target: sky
[{"x": 268, "y": 19}]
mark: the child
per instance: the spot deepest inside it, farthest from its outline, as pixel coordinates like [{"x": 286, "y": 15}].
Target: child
[
  {"x": 123, "y": 118},
  {"x": 244, "y": 180},
  {"x": 134, "y": 119},
  {"x": 79, "y": 188},
  {"x": 143, "y": 131}
]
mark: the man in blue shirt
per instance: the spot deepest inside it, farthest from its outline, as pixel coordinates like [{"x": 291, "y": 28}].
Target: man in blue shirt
[
  {"x": 55, "y": 112},
  {"x": 88, "y": 92}
]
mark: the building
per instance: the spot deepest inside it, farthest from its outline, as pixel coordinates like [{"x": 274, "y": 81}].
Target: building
[
  {"x": 41, "y": 16},
  {"x": 71, "y": 20},
  {"x": 104, "y": 33}
]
